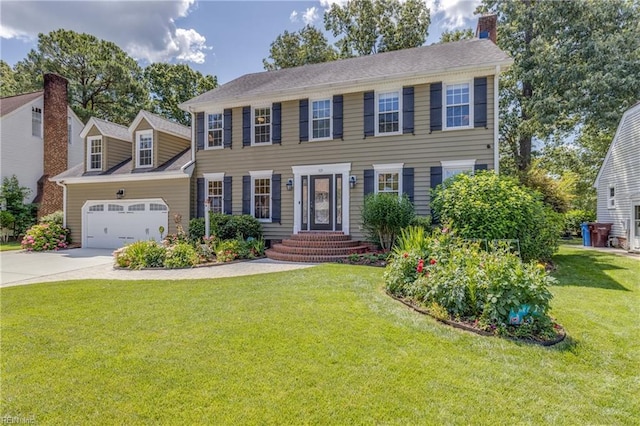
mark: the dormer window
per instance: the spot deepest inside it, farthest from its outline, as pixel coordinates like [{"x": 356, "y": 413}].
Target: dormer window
[
  {"x": 144, "y": 148},
  {"x": 94, "y": 153}
]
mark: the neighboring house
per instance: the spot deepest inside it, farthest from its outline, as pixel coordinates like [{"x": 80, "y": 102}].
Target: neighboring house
[
  {"x": 618, "y": 183},
  {"x": 132, "y": 182},
  {"x": 299, "y": 148},
  {"x": 39, "y": 138}
]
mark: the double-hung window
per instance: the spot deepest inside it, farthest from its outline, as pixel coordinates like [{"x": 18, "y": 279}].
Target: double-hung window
[
  {"x": 452, "y": 168},
  {"x": 458, "y": 102},
  {"x": 388, "y": 113},
  {"x": 261, "y": 195},
  {"x": 320, "y": 119},
  {"x": 214, "y": 184},
  {"x": 94, "y": 153},
  {"x": 262, "y": 125},
  {"x": 611, "y": 199},
  {"x": 144, "y": 148},
  {"x": 388, "y": 178},
  {"x": 214, "y": 130},
  {"x": 36, "y": 121}
]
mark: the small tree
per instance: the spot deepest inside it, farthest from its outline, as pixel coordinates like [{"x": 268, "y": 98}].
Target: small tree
[
  {"x": 384, "y": 216},
  {"x": 14, "y": 196}
]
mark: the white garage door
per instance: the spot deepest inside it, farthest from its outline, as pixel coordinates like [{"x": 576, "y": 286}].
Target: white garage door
[{"x": 114, "y": 223}]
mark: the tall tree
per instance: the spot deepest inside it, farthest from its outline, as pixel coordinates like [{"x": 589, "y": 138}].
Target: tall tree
[
  {"x": 103, "y": 80},
  {"x": 307, "y": 46},
  {"x": 172, "y": 84},
  {"x": 456, "y": 35}
]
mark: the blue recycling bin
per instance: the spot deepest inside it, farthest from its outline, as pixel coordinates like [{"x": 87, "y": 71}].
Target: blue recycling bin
[{"x": 586, "y": 235}]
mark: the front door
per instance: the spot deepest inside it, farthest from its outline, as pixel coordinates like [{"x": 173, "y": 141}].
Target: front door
[{"x": 321, "y": 203}]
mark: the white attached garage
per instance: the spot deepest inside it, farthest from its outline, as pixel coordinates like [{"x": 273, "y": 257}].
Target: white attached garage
[{"x": 114, "y": 223}]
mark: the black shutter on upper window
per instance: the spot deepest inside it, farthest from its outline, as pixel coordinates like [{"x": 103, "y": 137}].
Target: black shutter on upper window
[
  {"x": 369, "y": 182},
  {"x": 228, "y": 125},
  {"x": 436, "y": 106},
  {"x": 200, "y": 197},
  {"x": 227, "y": 209},
  {"x": 407, "y": 182},
  {"x": 337, "y": 117},
  {"x": 369, "y": 114},
  {"x": 200, "y": 130},
  {"x": 246, "y": 194},
  {"x": 246, "y": 126},
  {"x": 276, "y": 189},
  {"x": 304, "y": 120},
  {"x": 480, "y": 102},
  {"x": 276, "y": 124},
  {"x": 407, "y": 109}
]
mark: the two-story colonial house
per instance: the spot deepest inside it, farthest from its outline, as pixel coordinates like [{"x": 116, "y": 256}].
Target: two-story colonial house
[{"x": 300, "y": 148}]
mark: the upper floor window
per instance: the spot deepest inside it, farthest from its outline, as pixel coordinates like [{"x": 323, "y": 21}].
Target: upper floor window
[
  {"x": 611, "y": 199},
  {"x": 452, "y": 168},
  {"x": 388, "y": 178},
  {"x": 214, "y": 130},
  {"x": 94, "y": 153},
  {"x": 457, "y": 111},
  {"x": 262, "y": 125},
  {"x": 388, "y": 105},
  {"x": 144, "y": 148},
  {"x": 36, "y": 121},
  {"x": 321, "y": 119}
]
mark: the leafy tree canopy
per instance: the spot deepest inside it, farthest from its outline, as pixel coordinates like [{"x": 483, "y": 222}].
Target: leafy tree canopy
[
  {"x": 456, "y": 35},
  {"x": 307, "y": 46}
]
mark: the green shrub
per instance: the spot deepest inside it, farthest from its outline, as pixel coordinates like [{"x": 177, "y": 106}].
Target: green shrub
[
  {"x": 14, "y": 195},
  {"x": 401, "y": 272},
  {"x": 423, "y": 222},
  {"x": 140, "y": 254},
  {"x": 56, "y": 218},
  {"x": 196, "y": 230},
  {"x": 228, "y": 227},
  {"x": 228, "y": 250},
  {"x": 384, "y": 215},
  {"x": 573, "y": 220},
  {"x": 155, "y": 255},
  {"x": 181, "y": 255},
  {"x": 46, "y": 237},
  {"x": 412, "y": 238},
  {"x": 487, "y": 206},
  {"x": 6, "y": 219}
]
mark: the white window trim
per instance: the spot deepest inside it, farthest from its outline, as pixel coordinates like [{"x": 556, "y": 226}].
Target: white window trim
[
  {"x": 610, "y": 205},
  {"x": 89, "y": 140},
  {"x": 457, "y": 164},
  {"x": 262, "y": 174},
  {"x": 388, "y": 168},
  {"x": 41, "y": 127},
  {"x": 253, "y": 124},
  {"x": 311, "y": 101},
  {"x": 138, "y": 135},
  {"x": 377, "y": 111},
  {"x": 444, "y": 104},
  {"x": 214, "y": 177},
  {"x": 206, "y": 137}
]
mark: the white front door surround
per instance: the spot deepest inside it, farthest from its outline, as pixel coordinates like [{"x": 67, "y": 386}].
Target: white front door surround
[{"x": 342, "y": 169}]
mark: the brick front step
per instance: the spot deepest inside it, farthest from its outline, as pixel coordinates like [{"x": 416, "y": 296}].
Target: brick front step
[
  {"x": 286, "y": 257},
  {"x": 320, "y": 236},
  {"x": 312, "y": 251},
  {"x": 320, "y": 244},
  {"x": 316, "y": 247}
]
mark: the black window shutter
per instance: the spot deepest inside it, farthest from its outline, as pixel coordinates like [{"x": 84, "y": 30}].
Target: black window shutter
[
  {"x": 436, "y": 106},
  {"x": 304, "y": 120},
  {"x": 200, "y": 197},
  {"x": 246, "y": 126},
  {"x": 369, "y": 182},
  {"x": 337, "y": 117},
  {"x": 369, "y": 114},
  {"x": 436, "y": 176},
  {"x": 246, "y": 194},
  {"x": 407, "y": 109},
  {"x": 228, "y": 125},
  {"x": 200, "y": 130},
  {"x": 479, "y": 167},
  {"x": 275, "y": 197},
  {"x": 407, "y": 182},
  {"x": 276, "y": 124},
  {"x": 480, "y": 102},
  {"x": 227, "y": 209}
]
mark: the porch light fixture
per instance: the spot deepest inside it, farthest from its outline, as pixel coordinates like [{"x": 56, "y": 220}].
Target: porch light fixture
[
  {"x": 289, "y": 184},
  {"x": 120, "y": 193},
  {"x": 352, "y": 181}
]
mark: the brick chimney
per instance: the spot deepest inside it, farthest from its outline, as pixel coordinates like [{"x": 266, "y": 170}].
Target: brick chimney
[
  {"x": 55, "y": 138},
  {"x": 488, "y": 27}
]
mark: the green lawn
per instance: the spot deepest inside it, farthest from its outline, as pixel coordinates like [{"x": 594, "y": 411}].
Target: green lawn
[
  {"x": 323, "y": 345},
  {"x": 10, "y": 245}
]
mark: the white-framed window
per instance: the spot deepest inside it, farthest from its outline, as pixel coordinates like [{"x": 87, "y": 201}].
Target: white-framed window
[
  {"x": 215, "y": 130},
  {"x": 611, "y": 197},
  {"x": 261, "y": 131},
  {"x": 458, "y": 105},
  {"x": 94, "y": 153},
  {"x": 452, "y": 168},
  {"x": 144, "y": 148},
  {"x": 320, "y": 119},
  {"x": 214, "y": 187},
  {"x": 388, "y": 178},
  {"x": 261, "y": 195},
  {"x": 389, "y": 112},
  {"x": 36, "y": 121}
]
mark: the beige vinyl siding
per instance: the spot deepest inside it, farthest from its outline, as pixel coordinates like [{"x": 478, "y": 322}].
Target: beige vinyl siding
[
  {"x": 421, "y": 151},
  {"x": 168, "y": 146},
  {"x": 115, "y": 151},
  {"x": 175, "y": 192}
]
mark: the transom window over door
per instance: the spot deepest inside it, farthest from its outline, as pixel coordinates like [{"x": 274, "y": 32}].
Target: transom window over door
[
  {"x": 214, "y": 130},
  {"x": 144, "y": 148},
  {"x": 321, "y": 119},
  {"x": 94, "y": 151},
  {"x": 458, "y": 105},
  {"x": 388, "y": 116},
  {"x": 262, "y": 125}
]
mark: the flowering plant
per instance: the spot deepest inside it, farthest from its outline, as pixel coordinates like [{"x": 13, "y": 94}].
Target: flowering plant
[{"x": 46, "y": 236}]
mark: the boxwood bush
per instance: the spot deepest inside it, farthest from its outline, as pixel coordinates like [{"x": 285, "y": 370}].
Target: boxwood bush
[{"x": 384, "y": 216}]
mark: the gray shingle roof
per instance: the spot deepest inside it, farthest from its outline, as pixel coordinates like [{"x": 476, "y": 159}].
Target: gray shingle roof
[
  {"x": 164, "y": 125},
  {"x": 113, "y": 130},
  {"x": 420, "y": 61},
  {"x": 12, "y": 103}
]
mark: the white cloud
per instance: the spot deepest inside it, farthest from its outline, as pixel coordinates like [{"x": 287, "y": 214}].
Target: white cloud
[
  {"x": 310, "y": 15},
  {"x": 455, "y": 12},
  {"x": 145, "y": 29},
  {"x": 294, "y": 16}
]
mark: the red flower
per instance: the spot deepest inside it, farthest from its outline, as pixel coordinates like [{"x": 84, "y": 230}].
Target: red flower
[
  {"x": 419, "y": 268},
  {"x": 433, "y": 261}
]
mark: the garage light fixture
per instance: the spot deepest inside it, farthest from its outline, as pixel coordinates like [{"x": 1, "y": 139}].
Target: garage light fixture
[{"x": 120, "y": 193}]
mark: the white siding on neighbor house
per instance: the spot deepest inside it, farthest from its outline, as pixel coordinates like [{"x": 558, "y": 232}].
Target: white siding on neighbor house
[
  {"x": 76, "y": 148},
  {"x": 21, "y": 152},
  {"x": 621, "y": 169}
]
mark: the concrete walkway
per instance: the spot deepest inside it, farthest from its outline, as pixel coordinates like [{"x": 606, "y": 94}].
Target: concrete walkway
[
  {"x": 610, "y": 250},
  {"x": 20, "y": 268}
]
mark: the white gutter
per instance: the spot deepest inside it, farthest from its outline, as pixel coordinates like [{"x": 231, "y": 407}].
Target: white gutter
[
  {"x": 193, "y": 135},
  {"x": 178, "y": 174},
  {"x": 496, "y": 121},
  {"x": 64, "y": 201}
]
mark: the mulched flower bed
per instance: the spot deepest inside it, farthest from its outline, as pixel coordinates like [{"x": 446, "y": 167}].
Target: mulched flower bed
[{"x": 469, "y": 326}]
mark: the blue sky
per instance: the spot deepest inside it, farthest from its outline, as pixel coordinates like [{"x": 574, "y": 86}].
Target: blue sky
[{"x": 223, "y": 38}]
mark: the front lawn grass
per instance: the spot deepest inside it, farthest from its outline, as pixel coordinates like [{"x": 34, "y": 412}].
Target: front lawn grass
[
  {"x": 323, "y": 345},
  {"x": 10, "y": 245}
]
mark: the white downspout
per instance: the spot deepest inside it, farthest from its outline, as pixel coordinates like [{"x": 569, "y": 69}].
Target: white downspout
[
  {"x": 193, "y": 135},
  {"x": 64, "y": 202},
  {"x": 496, "y": 121}
]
